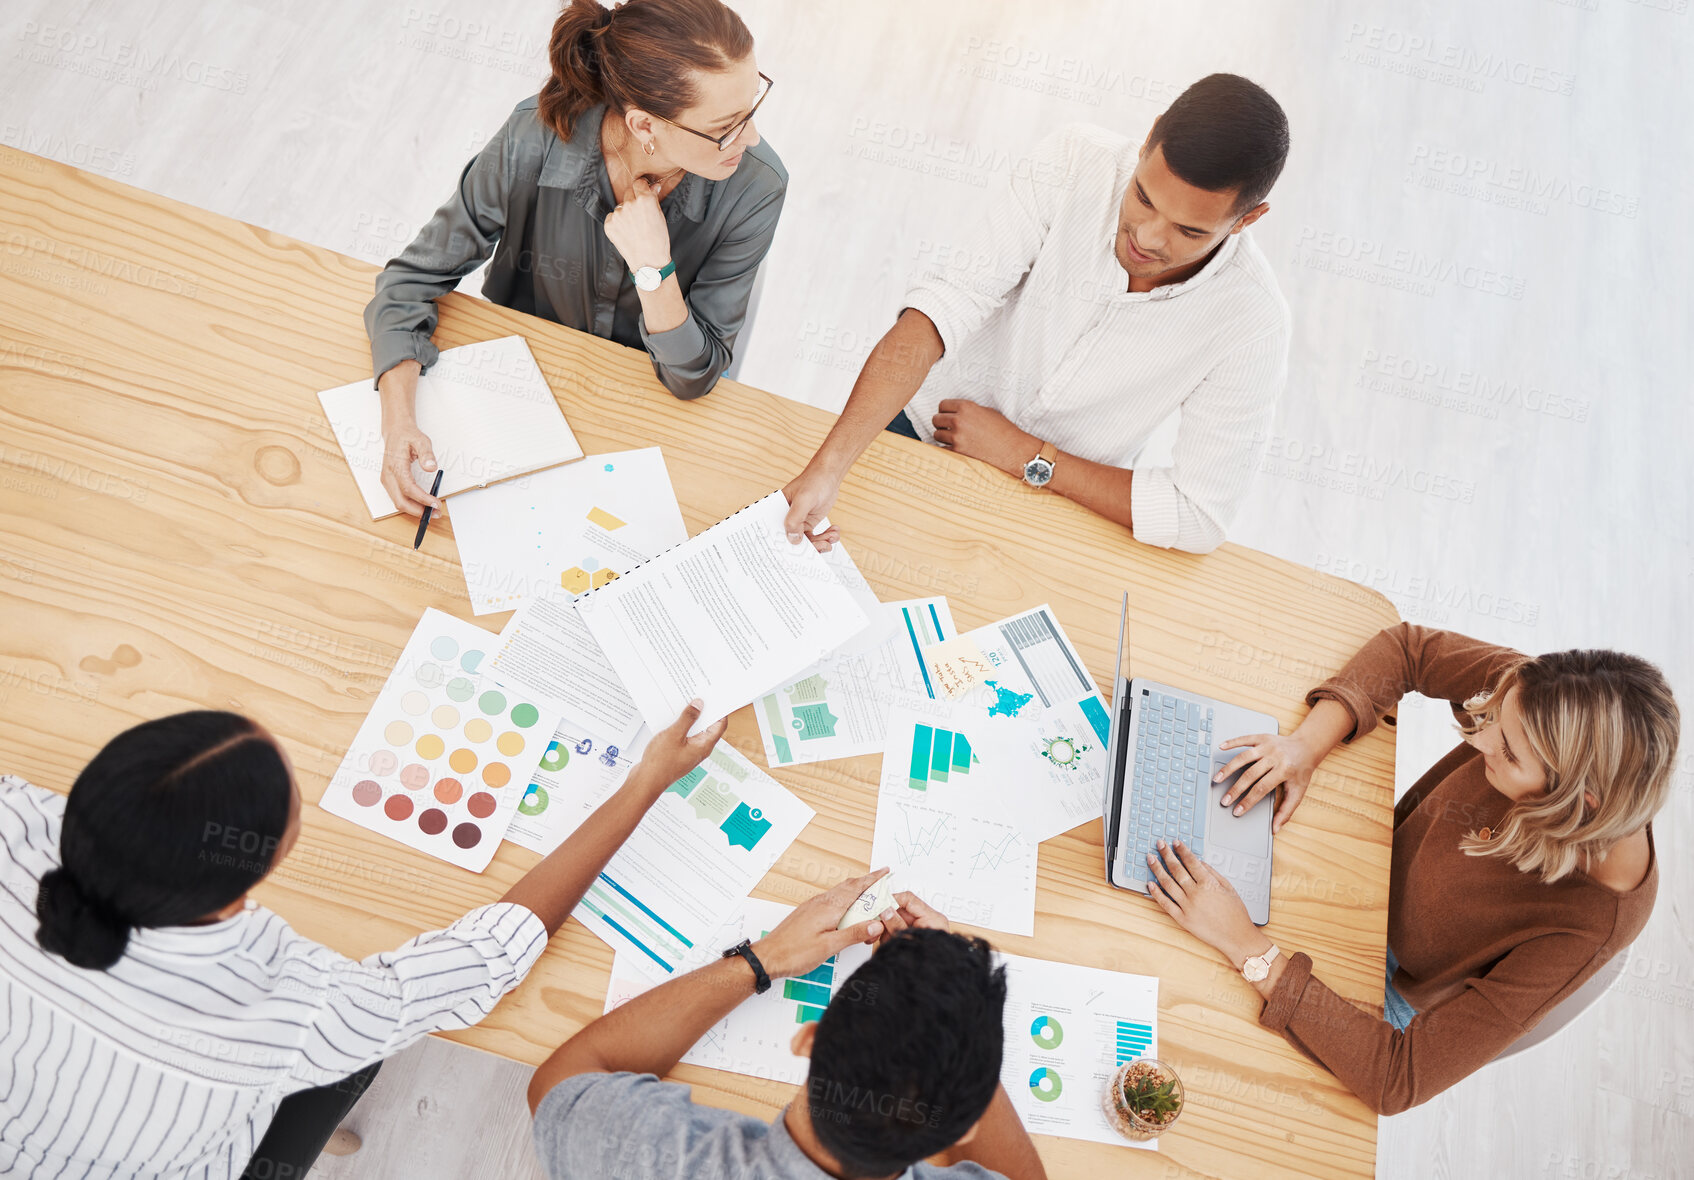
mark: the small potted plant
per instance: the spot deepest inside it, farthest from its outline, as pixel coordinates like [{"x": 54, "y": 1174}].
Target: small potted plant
[{"x": 1143, "y": 1098}]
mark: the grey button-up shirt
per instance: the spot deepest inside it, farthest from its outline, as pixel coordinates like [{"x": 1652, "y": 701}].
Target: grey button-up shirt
[{"x": 538, "y": 204}]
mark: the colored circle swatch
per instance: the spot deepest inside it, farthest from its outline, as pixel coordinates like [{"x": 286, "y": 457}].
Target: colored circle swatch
[
  {"x": 448, "y": 790},
  {"x": 460, "y": 689},
  {"x": 481, "y": 805},
  {"x": 496, "y": 774},
  {"x": 414, "y": 777},
  {"x": 1046, "y": 1032},
  {"x": 445, "y": 717},
  {"x": 415, "y": 702},
  {"x": 383, "y": 762},
  {"x": 467, "y": 835},
  {"x": 534, "y": 801},
  {"x": 430, "y": 745},
  {"x": 398, "y": 733},
  {"x": 470, "y": 660},
  {"x": 433, "y": 821},
  {"x": 429, "y": 675},
  {"x": 366, "y": 793},
  {"x": 1045, "y": 1085},
  {"x": 491, "y": 702},
  {"x": 462, "y": 760},
  {"x": 398, "y": 807},
  {"x": 510, "y": 744},
  {"x": 478, "y": 730},
  {"x": 444, "y": 647},
  {"x": 524, "y": 716}
]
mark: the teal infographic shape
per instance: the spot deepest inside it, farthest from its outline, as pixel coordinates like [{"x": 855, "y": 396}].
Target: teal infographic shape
[
  {"x": 1046, "y": 1032},
  {"x": 814, "y": 721},
  {"x": 556, "y": 757},
  {"x": 745, "y": 827},
  {"x": 534, "y": 801},
  {"x": 1006, "y": 702},
  {"x": 1044, "y": 1083}
]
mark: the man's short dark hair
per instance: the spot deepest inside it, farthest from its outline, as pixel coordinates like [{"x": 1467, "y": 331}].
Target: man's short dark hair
[
  {"x": 1224, "y": 133},
  {"x": 907, "y": 1056}
]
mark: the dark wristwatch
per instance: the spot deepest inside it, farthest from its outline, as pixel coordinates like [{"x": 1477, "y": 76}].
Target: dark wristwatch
[{"x": 744, "y": 948}]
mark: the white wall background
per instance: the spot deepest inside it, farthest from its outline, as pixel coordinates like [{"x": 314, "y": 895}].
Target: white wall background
[{"x": 1482, "y": 233}]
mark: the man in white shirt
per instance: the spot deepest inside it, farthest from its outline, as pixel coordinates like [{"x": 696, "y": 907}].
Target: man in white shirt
[{"x": 1108, "y": 287}]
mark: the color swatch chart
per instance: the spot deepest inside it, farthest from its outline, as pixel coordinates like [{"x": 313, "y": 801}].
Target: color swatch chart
[
  {"x": 444, "y": 755},
  {"x": 754, "y": 1039},
  {"x": 1067, "y": 1028}
]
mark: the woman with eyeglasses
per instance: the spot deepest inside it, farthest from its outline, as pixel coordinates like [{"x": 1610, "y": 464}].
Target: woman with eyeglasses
[{"x": 632, "y": 198}]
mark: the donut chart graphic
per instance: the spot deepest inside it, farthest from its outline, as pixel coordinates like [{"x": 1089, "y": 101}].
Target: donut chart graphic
[
  {"x": 1046, "y": 1032},
  {"x": 1045, "y": 1085}
]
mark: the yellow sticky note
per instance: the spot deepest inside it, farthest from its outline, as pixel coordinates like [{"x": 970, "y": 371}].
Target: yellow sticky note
[
  {"x": 958, "y": 665},
  {"x": 604, "y": 519}
]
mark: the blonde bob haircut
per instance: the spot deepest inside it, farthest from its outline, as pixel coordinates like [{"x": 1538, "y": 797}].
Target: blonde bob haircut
[{"x": 1601, "y": 723}]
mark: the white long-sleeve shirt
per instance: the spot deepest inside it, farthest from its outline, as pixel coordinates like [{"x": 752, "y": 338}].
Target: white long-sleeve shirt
[
  {"x": 172, "y": 1063},
  {"x": 1038, "y": 323}
]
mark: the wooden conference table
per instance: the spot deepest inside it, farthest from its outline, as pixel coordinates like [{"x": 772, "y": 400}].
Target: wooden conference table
[{"x": 178, "y": 529}]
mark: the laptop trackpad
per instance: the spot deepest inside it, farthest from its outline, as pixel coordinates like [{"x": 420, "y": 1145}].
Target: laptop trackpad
[{"x": 1249, "y": 833}]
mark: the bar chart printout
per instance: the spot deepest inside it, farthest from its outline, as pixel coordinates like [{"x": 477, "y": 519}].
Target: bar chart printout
[{"x": 1067, "y": 1029}]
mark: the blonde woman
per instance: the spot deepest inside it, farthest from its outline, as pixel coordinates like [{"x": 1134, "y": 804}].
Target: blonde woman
[{"x": 1522, "y": 862}]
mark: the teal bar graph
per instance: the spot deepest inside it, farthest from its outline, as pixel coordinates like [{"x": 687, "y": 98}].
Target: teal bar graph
[
  {"x": 936, "y": 753},
  {"x": 918, "y": 776}
]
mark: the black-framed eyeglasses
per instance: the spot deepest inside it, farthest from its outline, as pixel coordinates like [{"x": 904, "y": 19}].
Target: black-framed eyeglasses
[{"x": 734, "y": 133}]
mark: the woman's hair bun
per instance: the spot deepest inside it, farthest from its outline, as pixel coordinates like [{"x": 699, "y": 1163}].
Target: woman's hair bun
[{"x": 77, "y": 927}]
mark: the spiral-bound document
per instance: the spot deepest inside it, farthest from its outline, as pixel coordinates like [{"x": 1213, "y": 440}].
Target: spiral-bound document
[{"x": 721, "y": 617}]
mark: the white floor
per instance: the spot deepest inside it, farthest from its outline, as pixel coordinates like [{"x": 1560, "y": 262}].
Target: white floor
[{"x": 1482, "y": 231}]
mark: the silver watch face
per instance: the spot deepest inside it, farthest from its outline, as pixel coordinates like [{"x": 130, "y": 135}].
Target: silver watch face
[
  {"x": 1255, "y": 969},
  {"x": 1037, "y": 472},
  {"x": 647, "y": 278}
]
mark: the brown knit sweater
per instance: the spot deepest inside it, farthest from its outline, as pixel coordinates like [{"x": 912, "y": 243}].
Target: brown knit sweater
[{"x": 1485, "y": 951}]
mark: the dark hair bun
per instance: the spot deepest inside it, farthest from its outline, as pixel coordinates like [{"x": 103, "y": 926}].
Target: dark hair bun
[{"x": 75, "y": 926}]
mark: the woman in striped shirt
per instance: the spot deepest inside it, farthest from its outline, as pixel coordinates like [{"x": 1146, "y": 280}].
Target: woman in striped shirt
[{"x": 160, "y": 1023}]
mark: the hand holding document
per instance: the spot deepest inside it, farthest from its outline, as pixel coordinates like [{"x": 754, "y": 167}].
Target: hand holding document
[{"x": 721, "y": 617}]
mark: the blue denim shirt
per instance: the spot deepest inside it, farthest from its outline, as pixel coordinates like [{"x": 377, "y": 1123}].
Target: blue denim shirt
[{"x": 538, "y": 204}]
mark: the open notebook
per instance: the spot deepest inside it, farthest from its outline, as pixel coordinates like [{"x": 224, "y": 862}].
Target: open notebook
[{"x": 488, "y": 412}]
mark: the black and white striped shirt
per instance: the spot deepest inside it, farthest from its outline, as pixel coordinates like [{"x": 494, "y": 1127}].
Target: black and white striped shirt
[{"x": 173, "y": 1062}]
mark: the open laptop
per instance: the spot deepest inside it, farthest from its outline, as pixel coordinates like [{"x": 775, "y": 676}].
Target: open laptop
[{"x": 1163, "y": 752}]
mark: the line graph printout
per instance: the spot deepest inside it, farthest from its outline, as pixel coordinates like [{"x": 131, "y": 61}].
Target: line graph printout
[
  {"x": 754, "y": 1038},
  {"x": 948, "y": 836}
]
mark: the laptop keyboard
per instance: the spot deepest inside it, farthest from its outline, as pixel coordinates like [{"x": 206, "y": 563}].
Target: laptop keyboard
[{"x": 1171, "y": 778}]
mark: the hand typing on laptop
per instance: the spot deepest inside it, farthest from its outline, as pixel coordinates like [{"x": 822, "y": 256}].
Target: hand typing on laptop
[{"x": 1268, "y": 761}]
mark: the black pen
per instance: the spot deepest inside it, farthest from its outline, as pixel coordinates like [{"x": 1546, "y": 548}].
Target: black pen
[{"x": 424, "y": 523}]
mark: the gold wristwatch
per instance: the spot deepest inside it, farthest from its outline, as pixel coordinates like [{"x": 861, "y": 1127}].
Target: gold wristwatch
[{"x": 1258, "y": 967}]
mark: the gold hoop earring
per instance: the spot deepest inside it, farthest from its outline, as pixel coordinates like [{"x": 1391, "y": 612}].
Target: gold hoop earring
[{"x": 648, "y": 147}]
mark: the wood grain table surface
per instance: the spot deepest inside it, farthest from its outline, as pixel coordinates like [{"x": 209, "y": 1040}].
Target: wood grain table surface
[{"x": 179, "y": 529}]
